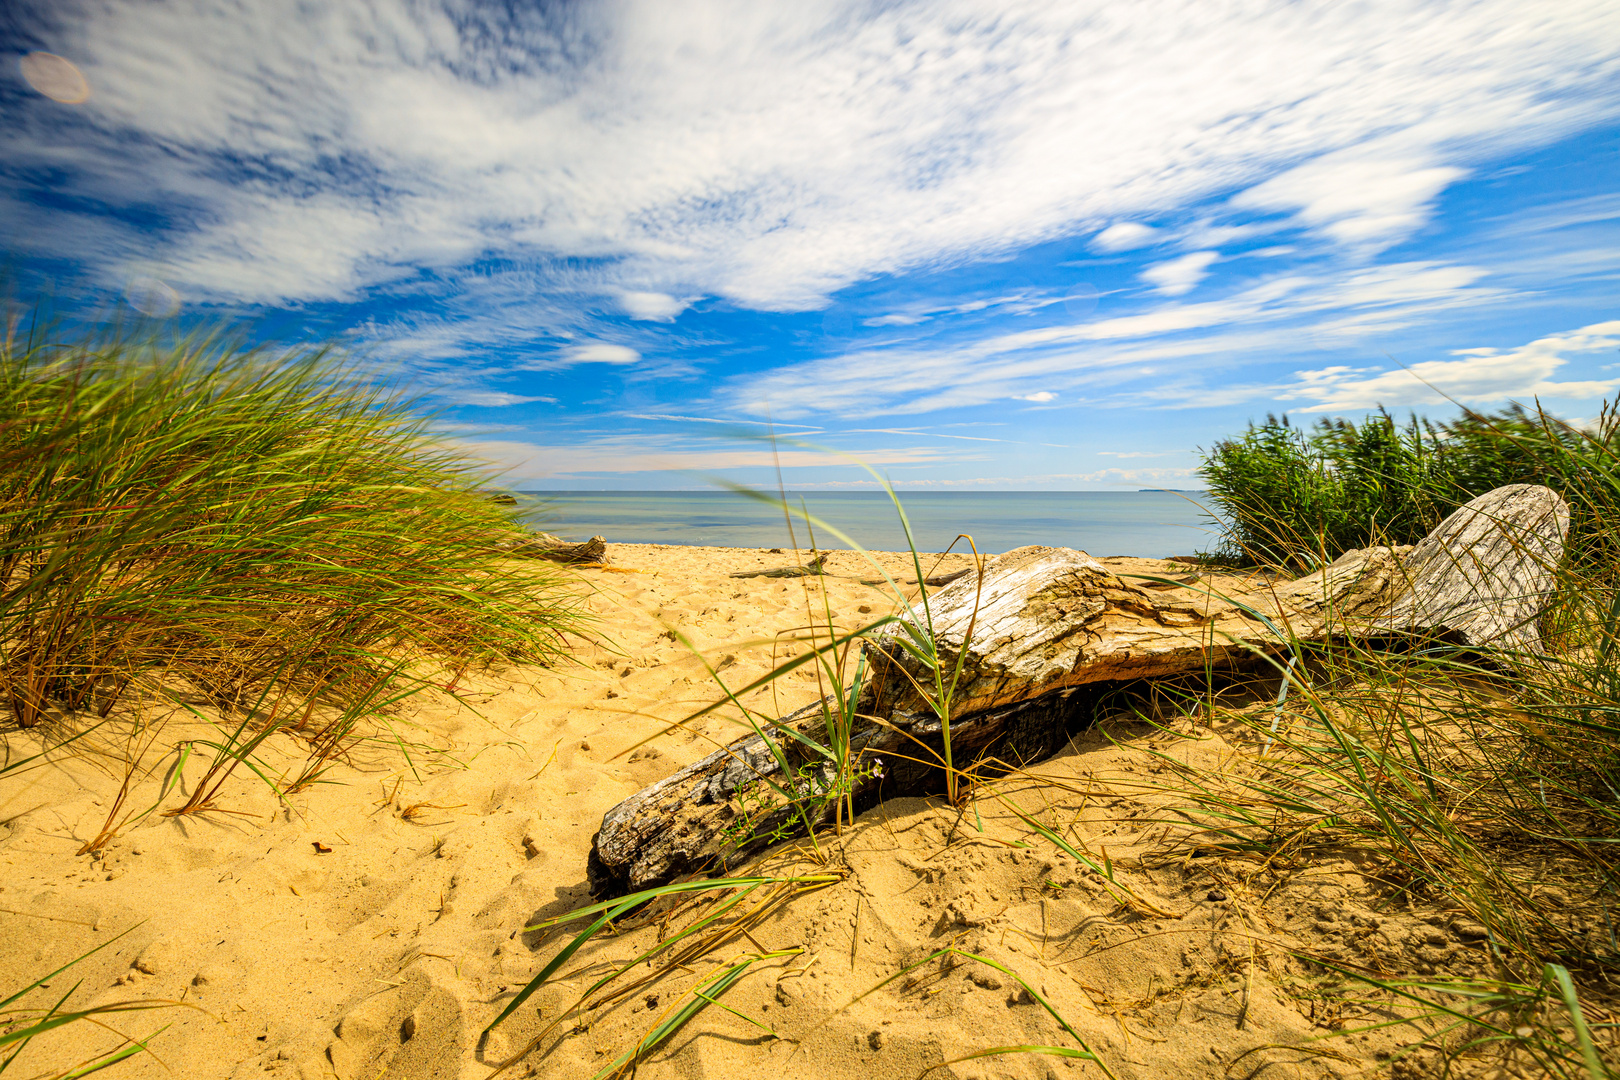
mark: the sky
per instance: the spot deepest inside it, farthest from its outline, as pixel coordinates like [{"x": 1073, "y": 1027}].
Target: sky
[{"x": 1000, "y": 245}]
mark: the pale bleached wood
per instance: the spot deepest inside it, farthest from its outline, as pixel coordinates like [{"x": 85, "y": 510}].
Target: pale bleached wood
[
  {"x": 1048, "y": 618},
  {"x": 1483, "y": 577},
  {"x": 1044, "y": 628}
]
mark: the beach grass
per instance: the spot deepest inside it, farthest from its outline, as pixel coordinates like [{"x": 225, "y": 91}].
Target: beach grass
[
  {"x": 272, "y": 529},
  {"x": 266, "y": 541},
  {"x": 278, "y": 546},
  {"x": 1485, "y": 784}
]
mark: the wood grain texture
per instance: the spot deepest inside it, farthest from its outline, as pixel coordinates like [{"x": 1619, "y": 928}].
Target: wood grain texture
[{"x": 1483, "y": 576}]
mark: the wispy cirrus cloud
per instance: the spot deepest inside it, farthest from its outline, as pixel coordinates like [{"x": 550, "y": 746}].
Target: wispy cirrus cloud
[
  {"x": 491, "y": 399},
  {"x": 798, "y": 150},
  {"x": 798, "y": 429},
  {"x": 640, "y": 454},
  {"x": 1079, "y": 356}
]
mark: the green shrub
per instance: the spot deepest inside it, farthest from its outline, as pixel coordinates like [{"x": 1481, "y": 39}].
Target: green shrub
[{"x": 1294, "y": 497}]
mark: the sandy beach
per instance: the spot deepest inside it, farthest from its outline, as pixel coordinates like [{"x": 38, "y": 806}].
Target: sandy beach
[{"x": 372, "y": 926}]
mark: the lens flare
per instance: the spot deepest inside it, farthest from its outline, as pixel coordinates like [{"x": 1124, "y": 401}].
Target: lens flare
[
  {"x": 55, "y": 77},
  {"x": 149, "y": 296},
  {"x": 1082, "y": 300}
]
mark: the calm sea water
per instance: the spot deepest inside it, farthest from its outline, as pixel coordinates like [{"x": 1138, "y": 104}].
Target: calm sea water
[{"x": 1146, "y": 523}]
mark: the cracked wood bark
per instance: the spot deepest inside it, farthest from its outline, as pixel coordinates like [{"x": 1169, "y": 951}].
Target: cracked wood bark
[{"x": 1049, "y": 629}]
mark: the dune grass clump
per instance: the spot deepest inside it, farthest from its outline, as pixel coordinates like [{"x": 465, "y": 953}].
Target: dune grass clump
[
  {"x": 1484, "y": 784},
  {"x": 271, "y": 530},
  {"x": 267, "y": 538}
]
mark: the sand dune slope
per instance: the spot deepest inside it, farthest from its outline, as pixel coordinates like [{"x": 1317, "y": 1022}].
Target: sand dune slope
[{"x": 372, "y": 926}]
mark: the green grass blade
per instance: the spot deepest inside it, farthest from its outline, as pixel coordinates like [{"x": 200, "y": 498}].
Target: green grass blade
[
  {"x": 1577, "y": 1019},
  {"x": 609, "y": 910},
  {"x": 703, "y": 995}
]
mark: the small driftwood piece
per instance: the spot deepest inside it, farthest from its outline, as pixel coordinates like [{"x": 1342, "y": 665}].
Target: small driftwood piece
[
  {"x": 545, "y": 546},
  {"x": 935, "y": 582},
  {"x": 815, "y": 567},
  {"x": 1047, "y": 631}
]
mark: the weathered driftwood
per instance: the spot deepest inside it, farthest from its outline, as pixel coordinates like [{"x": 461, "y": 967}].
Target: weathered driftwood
[
  {"x": 680, "y": 824},
  {"x": 814, "y": 567},
  {"x": 545, "y": 546},
  {"x": 1484, "y": 575},
  {"x": 1049, "y": 618},
  {"x": 1047, "y": 630}
]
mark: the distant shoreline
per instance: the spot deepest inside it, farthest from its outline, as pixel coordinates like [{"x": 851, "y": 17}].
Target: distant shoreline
[
  {"x": 903, "y": 493},
  {"x": 1150, "y": 524}
]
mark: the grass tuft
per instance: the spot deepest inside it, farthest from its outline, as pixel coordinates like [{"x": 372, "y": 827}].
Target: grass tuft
[
  {"x": 1482, "y": 785},
  {"x": 270, "y": 534}
]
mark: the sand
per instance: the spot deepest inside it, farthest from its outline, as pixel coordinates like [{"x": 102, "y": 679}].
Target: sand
[{"x": 372, "y": 926}]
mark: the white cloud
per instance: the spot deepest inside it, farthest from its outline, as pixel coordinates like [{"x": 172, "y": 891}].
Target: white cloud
[
  {"x": 652, "y": 306},
  {"x": 1180, "y": 276},
  {"x": 802, "y": 428},
  {"x": 1124, "y": 236},
  {"x": 1041, "y": 396},
  {"x": 1478, "y": 375},
  {"x": 490, "y": 398},
  {"x": 767, "y": 154},
  {"x": 914, "y": 432},
  {"x": 597, "y": 352},
  {"x": 1269, "y": 317},
  {"x": 1358, "y": 201},
  {"x": 1562, "y": 214},
  {"x": 1017, "y": 304}
]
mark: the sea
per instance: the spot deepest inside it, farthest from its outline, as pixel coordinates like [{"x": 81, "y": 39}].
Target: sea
[{"x": 1152, "y": 524}]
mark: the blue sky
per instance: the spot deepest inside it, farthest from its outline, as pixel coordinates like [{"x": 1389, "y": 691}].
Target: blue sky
[{"x": 976, "y": 245}]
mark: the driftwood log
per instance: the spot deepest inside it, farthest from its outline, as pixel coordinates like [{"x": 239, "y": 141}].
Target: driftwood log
[
  {"x": 1047, "y": 631},
  {"x": 545, "y": 546}
]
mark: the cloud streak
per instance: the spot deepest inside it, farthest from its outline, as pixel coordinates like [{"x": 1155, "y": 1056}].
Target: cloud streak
[
  {"x": 1084, "y": 357},
  {"x": 643, "y": 454},
  {"x": 797, "y": 149}
]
